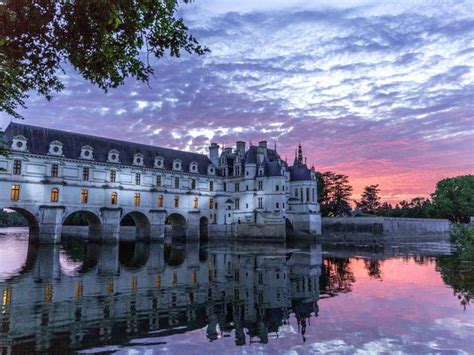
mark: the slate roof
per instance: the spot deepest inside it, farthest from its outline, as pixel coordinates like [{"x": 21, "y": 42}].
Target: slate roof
[
  {"x": 39, "y": 139},
  {"x": 299, "y": 172}
]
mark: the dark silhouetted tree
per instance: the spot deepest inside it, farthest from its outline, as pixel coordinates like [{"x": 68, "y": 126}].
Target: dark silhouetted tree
[
  {"x": 370, "y": 199},
  {"x": 336, "y": 195}
]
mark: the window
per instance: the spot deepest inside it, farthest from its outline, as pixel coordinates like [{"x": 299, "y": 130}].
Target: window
[
  {"x": 237, "y": 203},
  {"x": 193, "y": 184},
  {"x": 85, "y": 174},
  {"x": 307, "y": 194},
  {"x": 114, "y": 198},
  {"x": 54, "y": 170},
  {"x": 260, "y": 202},
  {"x": 211, "y": 185},
  {"x": 247, "y": 173},
  {"x": 211, "y": 203},
  {"x": 17, "y": 167},
  {"x": 176, "y": 201},
  {"x": 194, "y": 277},
  {"x": 277, "y": 188},
  {"x": 113, "y": 176},
  {"x": 174, "y": 280},
  {"x": 247, "y": 187},
  {"x": 55, "y": 195},
  {"x": 15, "y": 193},
  {"x": 215, "y": 205},
  {"x": 195, "y": 202},
  {"x": 136, "y": 199},
  {"x": 260, "y": 185},
  {"x": 158, "y": 180},
  {"x": 160, "y": 201},
  {"x": 224, "y": 186},
  {"x": 314, "y": 195},
  {"x": 237, "y": 171},
  {"x": 260, "y": 172},
  {"x": 176, "y": 183},
  {"x": 296, "y": 192},
  {"x": 84, "y": 195},
  {"x": 277, "y": 205},
  {"x": 283, "y": 205},
  {"x": 138, "y": 178},
  {"x": 236, "y": 187}
]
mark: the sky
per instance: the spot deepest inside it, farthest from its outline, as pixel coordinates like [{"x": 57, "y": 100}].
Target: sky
[{"x": 382, "y": 91}]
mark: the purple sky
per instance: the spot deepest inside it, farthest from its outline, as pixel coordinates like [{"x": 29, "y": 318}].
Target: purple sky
[{"x": 380, "y": 91}]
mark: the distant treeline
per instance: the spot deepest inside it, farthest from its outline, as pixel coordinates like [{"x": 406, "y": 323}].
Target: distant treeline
[
  {"x": 12, "y": 219},
  {"x": 453, "y": 199}
]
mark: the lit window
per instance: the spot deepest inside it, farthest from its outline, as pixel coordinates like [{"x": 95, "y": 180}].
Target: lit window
[
  {"x": 15, "y": 193},
  {"x": 85, "y": 174},
  {"x": 194, "y": 277},
  {"x": 195, "y": 202},
  {"x": 136, "y": 199},
  {"x": 114, "y": 198},
  {"x": 54, "y": 170},
  {"x": 193, "y": 184},
  {"x": 174, "y": 280},
  {"x": 176, "y": 201},
  {"x": 211, "y": 203},
  {"x": 211, "y": 185},
  {"x": 17, "y": 167},
  {"x": 176, "y": 183},
  {"x": 158, "y": 180},
  {"x": 160, "y": 201},
  {"x": 84, "y": 195},
  {"x": 54, "y": 195},
  {"x": 113, "y": 176},
  {"x": 137, "y": 179}
]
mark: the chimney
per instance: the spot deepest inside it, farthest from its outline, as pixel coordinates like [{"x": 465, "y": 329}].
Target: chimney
[
  {"x": 214, "y": 153},
  {"x": 263, "y": 144},
  {"x": 240, "y": 148},
  {"x": 228, "y": 150}
]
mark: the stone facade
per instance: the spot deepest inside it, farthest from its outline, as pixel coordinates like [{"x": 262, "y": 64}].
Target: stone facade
[{"x": 55, "y": 178}]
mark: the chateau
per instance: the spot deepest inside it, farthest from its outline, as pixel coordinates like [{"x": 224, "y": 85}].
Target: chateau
[{"x": 56, "y": 178}]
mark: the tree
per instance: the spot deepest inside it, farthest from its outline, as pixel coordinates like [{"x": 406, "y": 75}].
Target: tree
[
  {"x": 336, "y": 195},
  {"x": 454, "y": 198},
  {"x": 370, "y": 199},
  {"x": 106, "y": 41}
]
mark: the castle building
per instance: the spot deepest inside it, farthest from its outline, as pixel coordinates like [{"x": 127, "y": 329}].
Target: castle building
[{"x": 54, "y": 178}]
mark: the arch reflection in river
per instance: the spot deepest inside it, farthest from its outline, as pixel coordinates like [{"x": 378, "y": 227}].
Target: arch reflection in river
[{"x": 120, "y": 292}]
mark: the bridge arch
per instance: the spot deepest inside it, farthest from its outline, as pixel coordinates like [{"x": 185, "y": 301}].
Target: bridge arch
[
  {"x": 178, "y": 225},
  {"x": 85, "y": 218},
  {"x": 30, "y": 218},
  {"x": 138, "y": 220}
]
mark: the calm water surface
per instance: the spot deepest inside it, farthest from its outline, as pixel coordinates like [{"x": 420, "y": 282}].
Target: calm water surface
[{"x": 232, "y": 298}]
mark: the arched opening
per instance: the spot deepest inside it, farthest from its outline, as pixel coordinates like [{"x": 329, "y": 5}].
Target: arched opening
[
  {"x": 203, "y": 228},
  {"x": 20, "y": 217},
  {"x": 133, "y": 254},
  {"x": 134, "y": 226},
  {"x": 83, "y": 224},
  {"x": 177, "y": 225},
  {"x": 290, "y": 231}
]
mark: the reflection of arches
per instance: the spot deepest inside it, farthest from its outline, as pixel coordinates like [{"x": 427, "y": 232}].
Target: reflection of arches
[
  {"x": 174, "y": 255},
  {"x": 289, "y": 228},
  {"x": 134, "y": 254},
  {"x": 31, "y": 220},
  {"x": 141, "y": 223},
  {"x": 178, "y": 225},
  {"x": 203, "y": 228},
  {"x": 77, "y": 256},
  {"x": 86, "y": 218}
]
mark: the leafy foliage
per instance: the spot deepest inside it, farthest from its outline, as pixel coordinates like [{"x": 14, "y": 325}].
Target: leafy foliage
[
  {"x": 370, "y": 199},
  {"x": 12, "y": 219},
  {"x": 105, "y": 40},
  {"x": 454, "y": 198},
  {"x": 335, "y": 194}
]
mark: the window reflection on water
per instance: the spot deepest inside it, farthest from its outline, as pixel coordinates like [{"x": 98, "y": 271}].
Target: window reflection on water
[{"x": 82, "y": 295}]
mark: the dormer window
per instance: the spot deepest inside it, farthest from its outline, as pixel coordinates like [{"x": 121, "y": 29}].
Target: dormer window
[
  {"x": 159, "y": 162},
  {"x": 193, "y": 167},
  {"x": 19, "y": 143},
  {"x": 56, "y": 148},
  {"x": 176, "y": 164},
  {"x": 113, "y": 156},
  {"x": 211, "y": 170},
  {"x": 86, "y": 152},
  {"x": 138, "y": 159}
]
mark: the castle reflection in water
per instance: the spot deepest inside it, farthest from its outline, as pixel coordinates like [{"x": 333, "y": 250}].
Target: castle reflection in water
[{"x": 81, "y": 295}]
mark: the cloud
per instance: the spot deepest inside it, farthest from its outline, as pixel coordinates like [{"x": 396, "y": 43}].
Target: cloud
[{"x": 381, "y": 91}]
